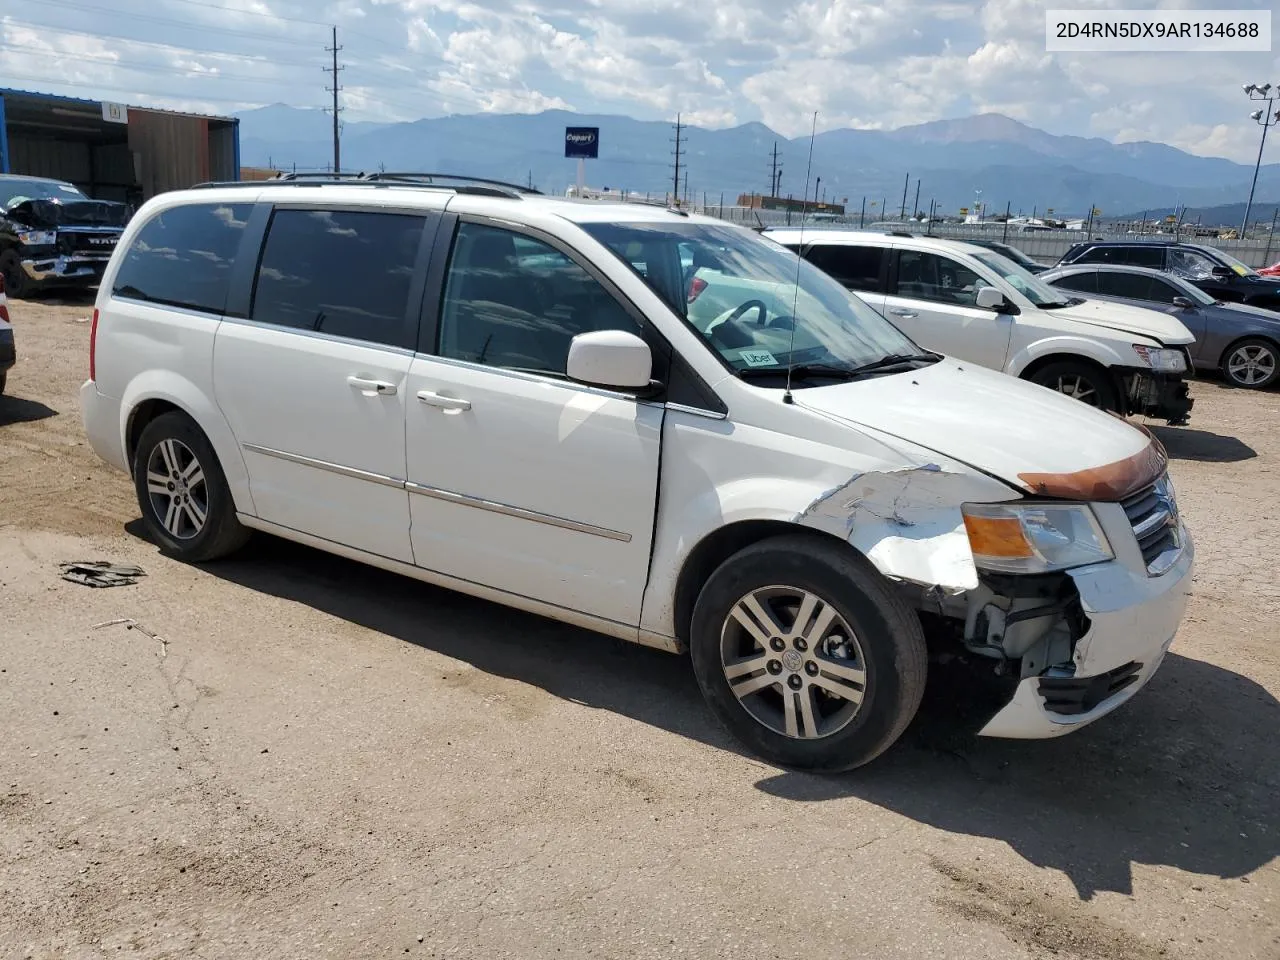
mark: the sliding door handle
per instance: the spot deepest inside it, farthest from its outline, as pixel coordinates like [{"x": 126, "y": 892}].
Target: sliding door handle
[
  {"x": 444, "y": 403},
  {"x": 372, "y": 388}
]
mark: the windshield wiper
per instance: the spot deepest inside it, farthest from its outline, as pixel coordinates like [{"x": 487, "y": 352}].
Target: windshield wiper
[
  {"x": 895, "y": 360},
  {"x": 800, "y": 371}
]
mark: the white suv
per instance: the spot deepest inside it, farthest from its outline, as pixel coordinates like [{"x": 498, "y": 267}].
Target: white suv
[
  {"x": 975, "y": 304},
  {"x": 502, "y": 393}
]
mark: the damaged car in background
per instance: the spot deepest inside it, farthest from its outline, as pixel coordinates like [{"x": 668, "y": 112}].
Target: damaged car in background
[
  {"x": 788, "y": 489},
  {"x": 52, "y": 235}
]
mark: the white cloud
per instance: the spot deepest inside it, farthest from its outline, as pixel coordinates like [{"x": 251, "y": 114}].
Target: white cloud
[{"x": 875, "y": 64}]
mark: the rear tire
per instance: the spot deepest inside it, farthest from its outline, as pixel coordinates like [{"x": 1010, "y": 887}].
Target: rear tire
[
  {"x": 4, "y": 377},
  {"x": 836, "y": 673},
  {"x": 183, "y": 493},
  {"x": 1253, "y": 363},
  {"x": 1080, "y": 381}
]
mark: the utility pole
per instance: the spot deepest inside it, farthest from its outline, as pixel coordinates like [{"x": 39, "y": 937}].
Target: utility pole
[
  {"x": 530, "y": 179},
  {"x": 862, "y": 217},
  {"x": 1008, "y": 208},
  {"x": 905, "y": 186},
  {"x": 774, "y": 171},
  {"x": 916, "y": 206},
  {"x": 334, "y": 71},
  {"x": 675, "y": 180}
]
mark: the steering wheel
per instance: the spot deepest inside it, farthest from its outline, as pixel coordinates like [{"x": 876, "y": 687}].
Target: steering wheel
[{"x": 731, "y": 324}]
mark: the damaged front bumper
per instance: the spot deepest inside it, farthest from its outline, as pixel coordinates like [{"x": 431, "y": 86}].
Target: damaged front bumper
[
  {"x": 1132, "y": 618},
  {"x": 65, "y": 269},
  {"x": 1163, "y": 396}
]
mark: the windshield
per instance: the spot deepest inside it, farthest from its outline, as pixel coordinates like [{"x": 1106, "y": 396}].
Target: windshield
[
  {"x": 1014, "y": 254},
  {"x": 13, "y": 191},
  {"x": 739, "y": 292},
  {"x": 1027, "y": 284}
]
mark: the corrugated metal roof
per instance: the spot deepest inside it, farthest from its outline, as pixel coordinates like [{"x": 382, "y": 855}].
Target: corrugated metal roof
[{"x": 61, "y": 98}]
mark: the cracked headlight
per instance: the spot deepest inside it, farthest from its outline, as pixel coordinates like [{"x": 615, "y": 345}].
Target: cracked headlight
[
  {"x": 1034, "y": 537},
  {"x": 1162, "y": 360}
]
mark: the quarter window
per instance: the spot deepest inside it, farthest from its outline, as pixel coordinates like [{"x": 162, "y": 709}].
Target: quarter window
[
  {"x": 927, "y": 276},
  {"x": 340, "y": 272},
  {"x": 858, "y": 268},
  {"x": 182, "y": 257},
  {"x": 513, "y": 301},
  {"x": 1086, "y": 282}
]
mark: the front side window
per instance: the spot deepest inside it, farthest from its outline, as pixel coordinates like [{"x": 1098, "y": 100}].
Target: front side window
[
  {"x": 341, "y": 272},
  {"x": 1190, "y": 264},
  {"x": 513, "y": 301},
  {"x": 182, "y": 257},
  {"x": 759, "y": 306},
  {"x": 928, "y": 276},
  {"x": 857, "y": 268}
]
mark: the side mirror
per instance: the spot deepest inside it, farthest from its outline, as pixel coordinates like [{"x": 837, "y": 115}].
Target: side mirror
[
  {"x": 614, "y": 359},
  {"x": 1222, "y": 273},
  {"x": 989, "y": 298},
  {"x": 1183, "y": 302}
]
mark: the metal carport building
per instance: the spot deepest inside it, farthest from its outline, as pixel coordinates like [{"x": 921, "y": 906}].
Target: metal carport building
[{"x": 113, "y": 151}]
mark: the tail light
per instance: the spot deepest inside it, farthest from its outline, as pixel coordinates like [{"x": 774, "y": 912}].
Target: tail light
[
  {"x": 93, "y": 346},
  {"x": 696, "y": 286}
]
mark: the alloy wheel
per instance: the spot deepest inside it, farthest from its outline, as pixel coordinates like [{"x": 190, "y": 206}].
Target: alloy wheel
[
  {"x": 177, "y": 489},
  {"x": 1074, "y": 385},
  {"x": 793, "y": 662},
  {"x": 1251, "y": 364}
]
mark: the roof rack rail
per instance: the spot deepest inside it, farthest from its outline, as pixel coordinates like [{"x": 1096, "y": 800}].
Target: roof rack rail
[
  {"x": 442, "y": 181},
  {"x": 899, "y": 233}
]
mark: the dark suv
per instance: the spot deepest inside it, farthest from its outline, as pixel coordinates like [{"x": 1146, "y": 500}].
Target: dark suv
[{"x": 1218, "y": 274}]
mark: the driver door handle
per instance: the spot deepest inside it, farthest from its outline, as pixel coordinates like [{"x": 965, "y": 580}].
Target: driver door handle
[
  {"x": 901, "y": 312},
  {"x": 444, "y": 403}
]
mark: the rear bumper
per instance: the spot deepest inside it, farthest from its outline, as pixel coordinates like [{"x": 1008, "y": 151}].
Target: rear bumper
[
  {"x": 1132, "y": 622},
  {"x": 102, "y": 425},
  {"x": 1163, "y": 396},
  {"x": 73, "y": 269}
]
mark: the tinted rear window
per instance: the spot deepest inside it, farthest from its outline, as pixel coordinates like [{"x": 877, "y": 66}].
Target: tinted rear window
[
  {"x": 183, "y": 256},
  {"x": 342, "y": 272}
]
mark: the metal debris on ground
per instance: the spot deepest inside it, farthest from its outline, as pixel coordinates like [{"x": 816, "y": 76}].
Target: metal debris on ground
[
  {"x": 100, "y": 573},
  {"x": 130, "y": 624}
]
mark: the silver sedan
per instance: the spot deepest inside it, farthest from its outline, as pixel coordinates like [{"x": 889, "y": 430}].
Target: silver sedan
[{"x": 1241, "y": 341}]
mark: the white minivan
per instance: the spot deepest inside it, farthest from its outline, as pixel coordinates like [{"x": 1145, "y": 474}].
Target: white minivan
[
  {"x": 975, "y": 304},
  {"x": 505, "y": 394}
]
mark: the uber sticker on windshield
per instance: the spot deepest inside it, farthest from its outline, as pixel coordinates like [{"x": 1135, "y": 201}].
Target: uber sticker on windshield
[{"x": 757, "y": 358}]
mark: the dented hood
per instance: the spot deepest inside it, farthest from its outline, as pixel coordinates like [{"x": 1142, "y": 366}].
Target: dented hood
[
  {"x": 1160, "y": 327},
  {"x": 1005, "y": 427},
  {"x": 55, "y": 212}
]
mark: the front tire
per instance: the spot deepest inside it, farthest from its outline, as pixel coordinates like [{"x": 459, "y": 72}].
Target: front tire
[
  {"x": 183, "y": 493},
  {"x": 806, "y": 654},
  {"x": 1080, "y": 381},
  {"x": 16, "y": 282},
  {"x": 1253, "y": 364}
]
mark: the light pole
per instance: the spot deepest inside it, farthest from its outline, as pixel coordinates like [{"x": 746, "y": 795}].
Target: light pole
[{"x": 1264, "y": 118}]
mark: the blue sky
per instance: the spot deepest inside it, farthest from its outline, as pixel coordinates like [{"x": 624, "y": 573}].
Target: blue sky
[{"x": 879, "y": 64}]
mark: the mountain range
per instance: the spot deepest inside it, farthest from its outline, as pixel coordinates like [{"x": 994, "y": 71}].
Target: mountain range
[{"x": 992, "y": 157}]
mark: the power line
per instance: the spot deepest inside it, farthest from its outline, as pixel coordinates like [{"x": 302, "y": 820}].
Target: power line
[
  {"x": 221, "y": 8},
  {"x": 123, "y": 65},
  {"x": 247, "y": 58},
  {"x": 177, "y": 23}
]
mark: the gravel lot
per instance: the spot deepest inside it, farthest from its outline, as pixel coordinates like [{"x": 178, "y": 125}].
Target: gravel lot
[{"x": 324, "y": 760}]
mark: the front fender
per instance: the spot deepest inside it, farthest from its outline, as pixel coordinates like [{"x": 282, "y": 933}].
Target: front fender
[
  {"x": 171, "y": 387},
  {"x": 1069, "y": 345}
]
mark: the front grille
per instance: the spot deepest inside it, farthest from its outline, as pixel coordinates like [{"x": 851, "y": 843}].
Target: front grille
[
  {"x": 1153, "y": 514},
  {"x": 1072, "y": 696},
  {"x": 83, "y": 242}
]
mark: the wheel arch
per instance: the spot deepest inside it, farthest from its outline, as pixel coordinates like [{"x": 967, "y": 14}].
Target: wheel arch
[{"x": 156, "y": 392}]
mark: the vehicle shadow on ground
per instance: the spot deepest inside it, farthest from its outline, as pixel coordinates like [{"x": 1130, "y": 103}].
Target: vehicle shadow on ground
[
  {"x": 1186, "y": 775},
  {"x": 18, "y": 410},
  {"x": 1185, "y": 443}
]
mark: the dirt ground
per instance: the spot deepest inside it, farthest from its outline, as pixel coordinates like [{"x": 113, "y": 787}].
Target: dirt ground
[{"x": 320, "y": 759}]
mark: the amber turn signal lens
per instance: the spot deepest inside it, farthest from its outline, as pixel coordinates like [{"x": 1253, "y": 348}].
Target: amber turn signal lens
[{"x": 997, "y": 537}]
